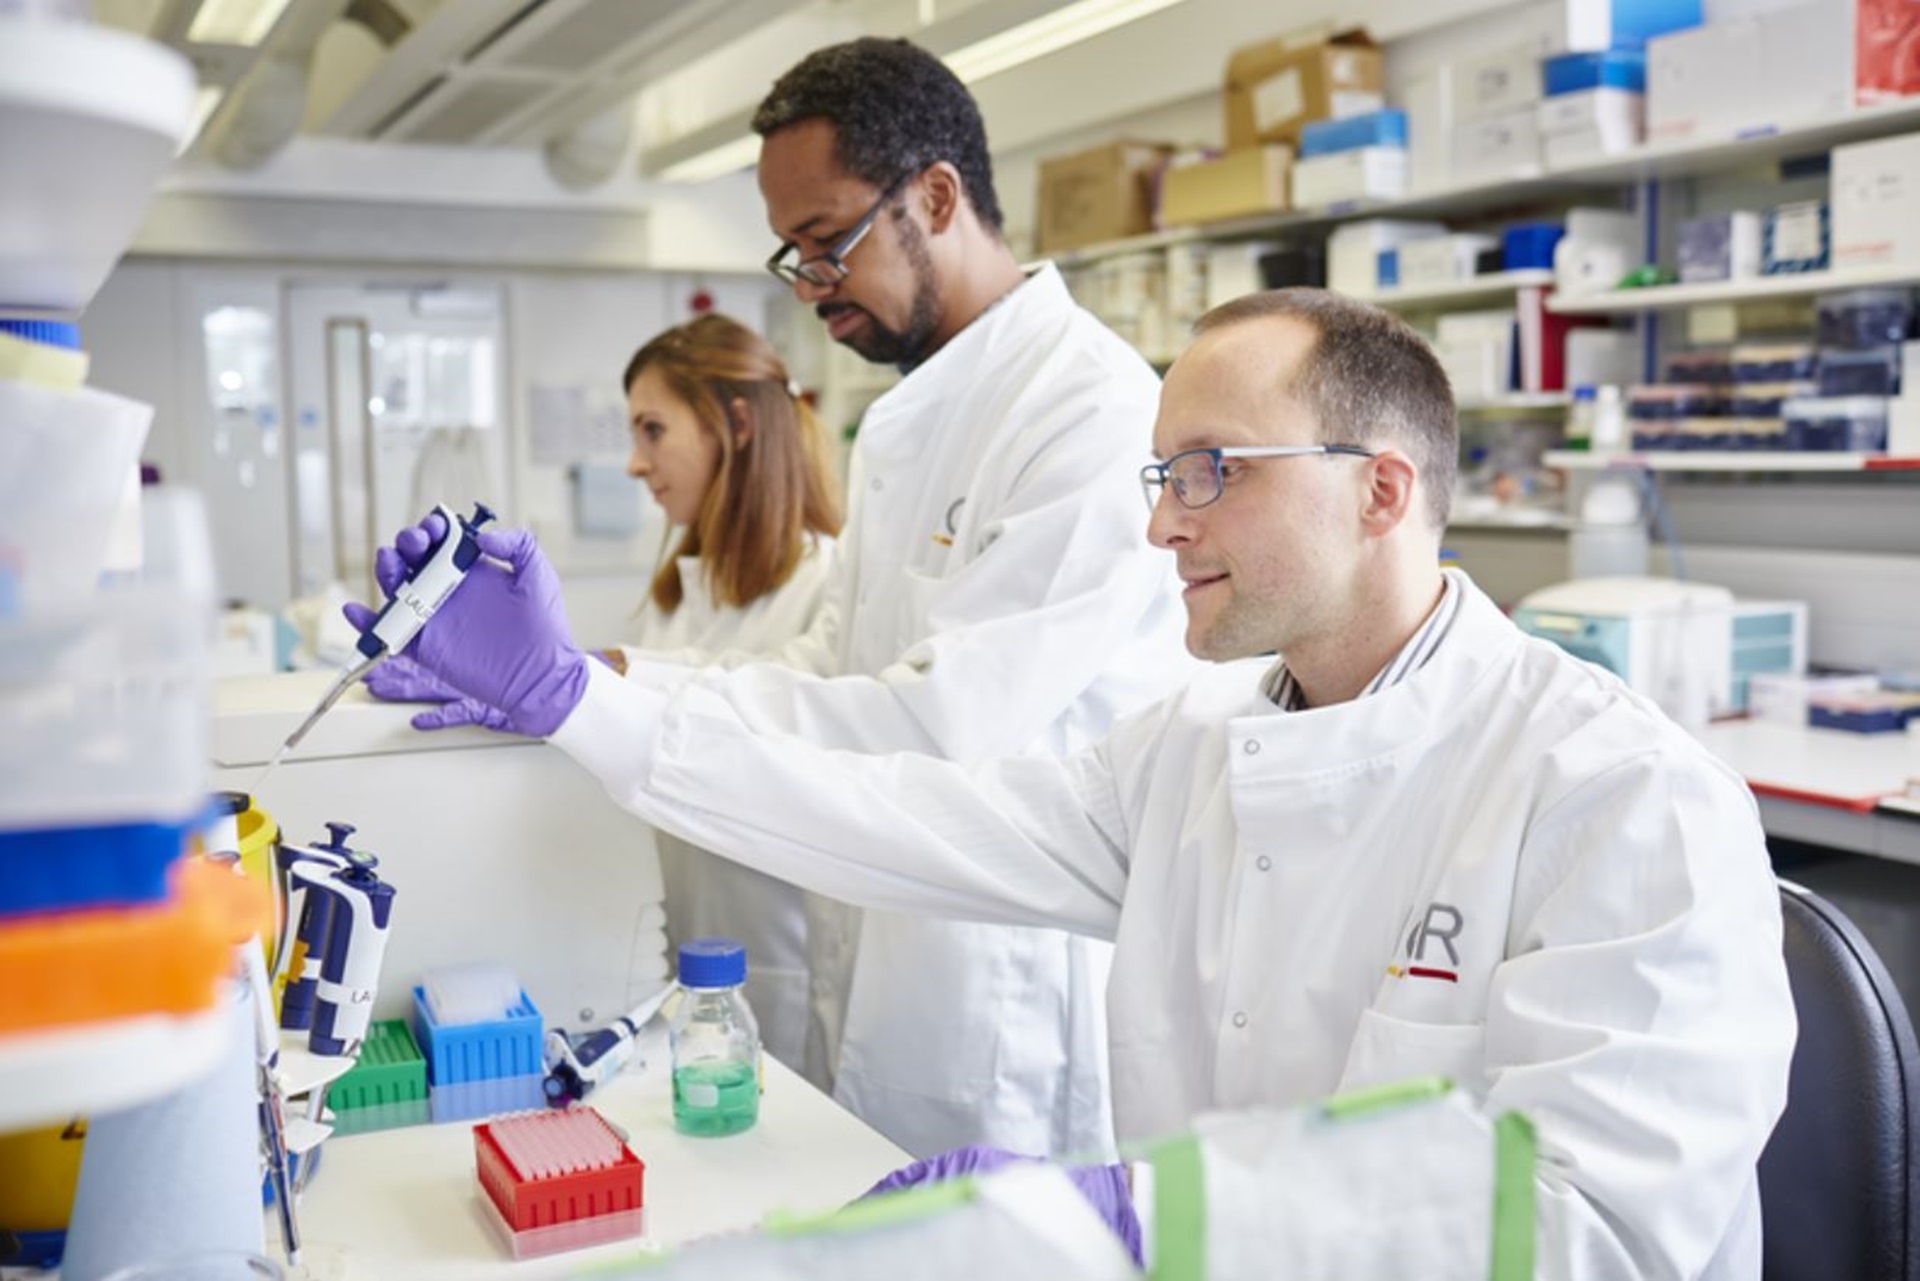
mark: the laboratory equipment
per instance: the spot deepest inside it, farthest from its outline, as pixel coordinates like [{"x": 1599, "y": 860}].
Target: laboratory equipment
[
  {"x": 483, "y": 1067},
  {"x": 1690, "y": 647},
  {"x": 304, "y": 923},
  {"x": 1610, "y": 539},
  {"x": 716, "y": 1043},
  {"x": 417, "y": 598},
  {"x": 356, "y": 941},
  {"x": 553, "y": 1181},
  {"x": 387, "y": 1087},
  {"x": 575, "y": 1066}
]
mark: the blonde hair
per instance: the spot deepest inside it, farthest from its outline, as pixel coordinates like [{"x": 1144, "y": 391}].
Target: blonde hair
[{"x": 771, "y": 490}]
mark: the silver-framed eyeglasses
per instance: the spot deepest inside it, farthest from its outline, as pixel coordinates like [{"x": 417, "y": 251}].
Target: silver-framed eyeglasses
[
  {"x": 830, "y": 268},
  {"x": 1196, "y": 476}
]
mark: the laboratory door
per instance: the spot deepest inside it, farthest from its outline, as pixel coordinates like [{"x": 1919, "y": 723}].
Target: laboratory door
[{"x": 396, "y": 394}]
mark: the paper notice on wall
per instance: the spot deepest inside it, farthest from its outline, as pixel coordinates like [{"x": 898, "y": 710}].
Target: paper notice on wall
[{"x": 568, "y": 424}]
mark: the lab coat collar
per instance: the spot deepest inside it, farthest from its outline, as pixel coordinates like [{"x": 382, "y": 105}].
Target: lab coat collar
[
  {"x": 1271, "y": 743},
  {"x": 999, "y": 337}
]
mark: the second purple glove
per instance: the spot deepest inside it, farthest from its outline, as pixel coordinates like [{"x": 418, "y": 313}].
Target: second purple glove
[
  {"x": 401, "y": 680},
  {"x": 1104, "y": 1186}
]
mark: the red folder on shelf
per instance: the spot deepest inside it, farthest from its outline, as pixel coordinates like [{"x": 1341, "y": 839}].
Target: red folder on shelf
[{"x": 1542, "y": 350}]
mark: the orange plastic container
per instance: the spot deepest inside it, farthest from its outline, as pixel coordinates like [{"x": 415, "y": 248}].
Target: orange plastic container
[{"x": 78, "y": 967}]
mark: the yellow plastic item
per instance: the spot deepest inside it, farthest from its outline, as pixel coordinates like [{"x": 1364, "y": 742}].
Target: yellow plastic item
[
  {"x": 38, "y": 1172},
  {"x": 258, "y": 832},
  {"x": 78, "y": 967}
]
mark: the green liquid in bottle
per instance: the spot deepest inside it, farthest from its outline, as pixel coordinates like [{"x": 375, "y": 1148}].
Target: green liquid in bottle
[{"x": 712, "y": 1099}]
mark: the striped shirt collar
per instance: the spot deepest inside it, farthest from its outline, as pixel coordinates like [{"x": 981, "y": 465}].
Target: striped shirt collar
[{"x": 1284, "y": 692}]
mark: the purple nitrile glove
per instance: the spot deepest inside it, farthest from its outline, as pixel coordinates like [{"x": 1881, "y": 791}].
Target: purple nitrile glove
[
  {"x": 1104, "y": 1186},
  {"x": 502, "y": 636},
  {"x": 401, "y": 680}
]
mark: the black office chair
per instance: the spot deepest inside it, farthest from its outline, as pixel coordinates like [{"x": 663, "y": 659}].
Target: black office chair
[{"x": 1840, "y": 1179}]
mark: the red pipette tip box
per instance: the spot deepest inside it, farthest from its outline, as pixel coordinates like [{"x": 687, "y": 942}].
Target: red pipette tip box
[{"x": 554, "y": 1181}]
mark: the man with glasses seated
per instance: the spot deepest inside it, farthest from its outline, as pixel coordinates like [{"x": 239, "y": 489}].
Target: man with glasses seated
[
  {"x": 993, "y": 591},
  {"x": 1418, "y": 843}
]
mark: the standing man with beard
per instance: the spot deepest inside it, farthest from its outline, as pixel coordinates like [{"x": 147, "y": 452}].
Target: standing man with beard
[{"x": 994, "y": 591}]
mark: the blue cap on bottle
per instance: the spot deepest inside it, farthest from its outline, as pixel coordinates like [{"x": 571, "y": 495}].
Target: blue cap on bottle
[
  {"x": 48, "y": 333},
  {"x": 712, "y": 963}
]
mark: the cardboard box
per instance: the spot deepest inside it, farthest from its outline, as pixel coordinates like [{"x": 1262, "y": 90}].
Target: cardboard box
[
  {"x": 1276, "y": 86},
  {"x": 1442, "y": 260},
  {"x": 1236, "y": 185},
  {"x": 1806, "y": 65},
  {"x": 1876, "y": 203},
  {"x": 1886, "y": 34},
  {"x": 1102, "y": 194},
  {"x": 1579, "y": 127},
  {"x": 1353, "y": 250}
]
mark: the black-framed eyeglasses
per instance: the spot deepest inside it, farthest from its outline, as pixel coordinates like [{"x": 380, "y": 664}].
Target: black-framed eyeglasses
[
  {"x": 1196, "y": 478},
  {"x": 830, "y": 268}
]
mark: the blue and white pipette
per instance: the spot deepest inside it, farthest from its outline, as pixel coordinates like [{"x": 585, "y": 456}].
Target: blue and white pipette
[{"x": 417, "y": 598}]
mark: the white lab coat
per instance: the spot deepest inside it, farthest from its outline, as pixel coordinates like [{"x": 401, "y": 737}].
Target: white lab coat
[
  {"x": 708, "y": 896},
  {"x": 993, "y": 593},
  {"x": 1508, "y": 869}
]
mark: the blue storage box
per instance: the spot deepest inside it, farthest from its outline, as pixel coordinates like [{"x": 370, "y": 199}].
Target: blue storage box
[
  {"x": 59, "y": 869},
  {"x": 1384, "y": 128},
  {"x": 1529, "y": 245},
  {"x": 1579, "y": 72},
  {"x": 1634, "y": 22},
  {"x": 492, "y": 1050}
]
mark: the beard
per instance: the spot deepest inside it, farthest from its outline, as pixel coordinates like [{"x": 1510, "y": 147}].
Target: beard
[{"x": 910, "y": 345}]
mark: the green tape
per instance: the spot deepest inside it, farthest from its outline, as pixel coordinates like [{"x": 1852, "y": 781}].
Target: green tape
[
  {"x": 1378, "y": 1098},
  {"x": 1513, "y": 1191},
  {"x": 903, "y": 1206},
  {"x": 1179, "y": 1212}
]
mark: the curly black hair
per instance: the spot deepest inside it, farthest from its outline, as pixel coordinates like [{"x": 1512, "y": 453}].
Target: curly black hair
[{"x": 895, "y": 109}]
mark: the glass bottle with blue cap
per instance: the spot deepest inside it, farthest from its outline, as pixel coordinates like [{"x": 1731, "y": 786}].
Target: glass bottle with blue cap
[{"x": 716, "y": 1043}]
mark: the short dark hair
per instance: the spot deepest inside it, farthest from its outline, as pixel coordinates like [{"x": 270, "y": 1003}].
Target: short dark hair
[
  {"x": 894, "y": 108},
  {"x": 1370, "y": 379}
]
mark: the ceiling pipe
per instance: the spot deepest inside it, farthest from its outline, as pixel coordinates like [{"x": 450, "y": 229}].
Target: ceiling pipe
[{"x": 264, "y": 110}]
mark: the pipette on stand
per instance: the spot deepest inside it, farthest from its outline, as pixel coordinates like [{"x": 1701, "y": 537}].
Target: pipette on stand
[{"x": 417, "y": 598}]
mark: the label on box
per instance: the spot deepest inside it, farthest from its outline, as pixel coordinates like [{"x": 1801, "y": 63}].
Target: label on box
[
  {"x": 1796, "y": 233},
  {"x": 1354, "y": 102},
  {"x": 1278, "y": 99}
]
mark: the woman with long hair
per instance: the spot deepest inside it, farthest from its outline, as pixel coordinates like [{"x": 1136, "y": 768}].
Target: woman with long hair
[{"x": 738, "y": 463}]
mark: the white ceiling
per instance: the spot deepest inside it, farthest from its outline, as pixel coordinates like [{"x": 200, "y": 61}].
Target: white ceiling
[{"x": 518, "y": 73}]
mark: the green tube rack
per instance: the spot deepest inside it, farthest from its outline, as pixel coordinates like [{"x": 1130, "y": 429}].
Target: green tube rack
[{"x": 387, "y": 1086}]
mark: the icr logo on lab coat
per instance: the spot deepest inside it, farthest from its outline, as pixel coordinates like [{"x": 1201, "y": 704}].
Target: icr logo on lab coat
[{"x": 1441, "y": 923}]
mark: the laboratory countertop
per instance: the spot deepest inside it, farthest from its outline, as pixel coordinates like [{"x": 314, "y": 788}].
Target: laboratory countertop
[
  {"x": 1828, "y": 787},
  {"x": 403, "y": 1203}
]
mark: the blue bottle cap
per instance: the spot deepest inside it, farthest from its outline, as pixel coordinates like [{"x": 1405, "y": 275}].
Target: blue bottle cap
[
  {"x": 712, "y": 963},
  {"x": 48, "y": 333}
]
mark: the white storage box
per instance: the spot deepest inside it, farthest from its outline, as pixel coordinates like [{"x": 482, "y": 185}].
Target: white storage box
[
  {"x": 1353, "y": 250},
  {"x": 1428, "y": 101},
  {"x": 1347, "y": 177},
  {"x": 1577, "y": 127},
  {"x": 1442, "y": 260},
  {"x": 1506, "y": 146},
  {"x": 1703, "y": 83},
  {"x": 1876, "y": 203},
  {"x": 1496, "y": 83}
]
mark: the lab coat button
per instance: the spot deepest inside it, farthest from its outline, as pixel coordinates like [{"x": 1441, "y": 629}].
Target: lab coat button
[
  {"x": 1239, "y": 1018},
  {"x": 1264, "y": 863},
  {"x": 1251, "y": 747}
]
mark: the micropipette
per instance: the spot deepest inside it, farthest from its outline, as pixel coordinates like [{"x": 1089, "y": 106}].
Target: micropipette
[{"x": 416, "y": 599}]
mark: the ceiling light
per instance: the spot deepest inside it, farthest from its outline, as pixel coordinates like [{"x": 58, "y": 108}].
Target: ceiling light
[
  {"x": 244, "y": 22},
  {"x": 206, "y": 99},
  {"x": 1067, "y": 25},
  {"x": 740, "y": 153}
]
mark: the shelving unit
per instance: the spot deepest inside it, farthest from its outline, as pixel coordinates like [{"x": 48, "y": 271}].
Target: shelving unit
[
  {"x": 1666, "y": 297},
  {"x": 1519, "y": 402},
  {"x": 1493, "y": 287},
  {"x": 1729, "y": 461},
  {"x": 1687, "y": 158}
]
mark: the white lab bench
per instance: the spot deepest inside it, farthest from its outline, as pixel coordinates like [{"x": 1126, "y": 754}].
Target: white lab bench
[
  {"x": 1828, "y": 787},
  {"x": 401, "y": 1205}
]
